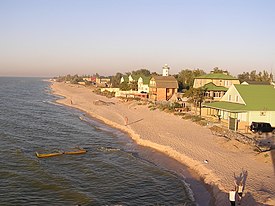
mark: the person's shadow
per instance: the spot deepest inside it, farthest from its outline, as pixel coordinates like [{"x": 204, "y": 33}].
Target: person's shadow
[
  {"x": 241, "y": 179},
  {"x": 248, "y": 199},
  {"x": 240, "y": 183}
]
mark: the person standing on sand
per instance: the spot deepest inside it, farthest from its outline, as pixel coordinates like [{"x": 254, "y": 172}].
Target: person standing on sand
[
  {"x": 232, "y": 197},
  {"x": 126, "y": 120},
  {"x": 240, "y": 190}
]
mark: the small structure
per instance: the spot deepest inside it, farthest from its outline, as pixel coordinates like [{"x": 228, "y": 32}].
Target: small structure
[
  {"x": 165, "y": 70},
  {"x": 163, "y": 87}
]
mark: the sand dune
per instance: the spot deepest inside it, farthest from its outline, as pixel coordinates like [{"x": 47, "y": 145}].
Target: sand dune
[{"x": 185, "y": 141}]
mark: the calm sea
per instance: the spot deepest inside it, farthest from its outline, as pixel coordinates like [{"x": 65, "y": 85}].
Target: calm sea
[{"x": 115, "y": 171}]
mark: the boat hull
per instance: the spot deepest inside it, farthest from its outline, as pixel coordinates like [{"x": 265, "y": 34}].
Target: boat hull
[{"x": 48, "y": 155}]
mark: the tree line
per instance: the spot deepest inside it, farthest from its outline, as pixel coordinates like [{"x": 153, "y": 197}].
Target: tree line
[{"x": 185, "y": 77}]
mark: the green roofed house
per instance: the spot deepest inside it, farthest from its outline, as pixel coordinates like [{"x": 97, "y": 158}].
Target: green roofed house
[
  {"x": 215, "y": 84},
  {"x": 243, "y": 104},
  {"x": 127, "y": 79},
  {"x": 142, "y": 81},
  {"x": 213, "y": 91},
  {"x": 143, "y": 84}
]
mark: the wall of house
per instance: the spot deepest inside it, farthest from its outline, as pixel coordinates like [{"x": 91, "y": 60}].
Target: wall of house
[
  {"x": 225, "y": 82},
  {"x": 262, "y": 116},
  {"x": 110, "y": 89},
  {"x": 152, "y": 93},
  {"x": 143, "y": 88},
  {"x": 129, "y": 94},
  {"x": 218, "y": 82},
  {"x": 232, "y": 95},
  {"x": 170, "y": 92},
  {"x": 243, "y": 117},
  {"x": 204, "y": 111},
  {"x": 243, "y": 126},
  {"x": 161, "y": 94}
]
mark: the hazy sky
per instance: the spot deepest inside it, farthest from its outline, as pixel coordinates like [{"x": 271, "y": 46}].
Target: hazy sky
[{"x": 56, "y": 37}]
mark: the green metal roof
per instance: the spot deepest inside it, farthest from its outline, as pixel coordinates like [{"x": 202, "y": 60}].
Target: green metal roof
[
  {"x": 135, "y": 77},
  {"x": 227, "y": 106},
  {"x": 256, "y": 98},
  {"x": 216, "y": 76},
  {"x": 126, "y": 78},
  {"x": 146, "y": 79},
  {"x": 212, "y": 87}
]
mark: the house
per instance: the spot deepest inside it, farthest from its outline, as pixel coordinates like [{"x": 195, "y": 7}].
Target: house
[
  {"x": 244, "y": 103},
  {"x": 127, "y": 79},
  {"x": 103, "y": 81},
  {"x": 214, "y": 92},
  {"x": 215, "y": 84},
  {"x": 163, "y": 87},
  {"x": 143, "y": 84}
]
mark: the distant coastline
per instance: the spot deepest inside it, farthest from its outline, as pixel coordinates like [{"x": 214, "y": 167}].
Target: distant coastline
[{"x": 182, "y": 140}]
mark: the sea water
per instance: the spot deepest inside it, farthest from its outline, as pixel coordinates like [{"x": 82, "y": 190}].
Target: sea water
[{"x": 114, "y": 171}]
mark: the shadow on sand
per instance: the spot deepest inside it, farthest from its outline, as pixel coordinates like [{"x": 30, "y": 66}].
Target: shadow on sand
[
  {"x": 222, "y": 198},
  {"x": 134, "y": 122},
  {"x": 269, "y": 140}
]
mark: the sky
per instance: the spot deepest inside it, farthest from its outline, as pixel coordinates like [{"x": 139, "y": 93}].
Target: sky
[{"x": 58, "y": 37}]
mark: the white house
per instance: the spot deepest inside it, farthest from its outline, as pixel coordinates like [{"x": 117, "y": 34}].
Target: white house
[{"x": 245, "y": 103}]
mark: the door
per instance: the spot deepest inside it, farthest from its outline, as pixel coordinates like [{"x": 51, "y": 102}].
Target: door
[{"x": 233, "y": 123}]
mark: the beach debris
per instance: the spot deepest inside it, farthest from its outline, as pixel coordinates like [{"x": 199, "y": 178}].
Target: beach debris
[
  {"x": 205, "y": 161},
  {"x": 75, "y": 151},
  {"x": 108, "y": 149},
  {"x": 100, "y": 102}
]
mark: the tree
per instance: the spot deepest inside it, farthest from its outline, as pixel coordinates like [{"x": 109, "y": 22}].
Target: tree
[
  {"x": 75, "y": 79},
  {"x": 133, "y": 86},
  {"x": 244, "y": 77},
  {"x": 196, "y": 96},
  {"x": 143, "y": 72},
  {"x": 155, "y": 74},
  {"x": 186, "y": 77},
  {"x": 124, "y": 86},
  {"x": 218, "y": 70},
  {"x": 253, "y": 76},
  {"x": 115, "y": 80}
]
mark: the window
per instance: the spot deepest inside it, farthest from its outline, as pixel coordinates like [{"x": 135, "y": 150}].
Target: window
[
  {"x": 237, "y": 98},
  {"x": 229, "y": 97},
  {"x": 262, "y": 113}
]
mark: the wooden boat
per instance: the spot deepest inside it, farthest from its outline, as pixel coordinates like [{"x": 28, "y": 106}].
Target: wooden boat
[
  {"x": 76, "y": 152},
  {"x": 48, "y": 155}
]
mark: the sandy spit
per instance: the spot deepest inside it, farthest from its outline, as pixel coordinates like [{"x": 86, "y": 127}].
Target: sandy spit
[{"x": 184, "y": 141}]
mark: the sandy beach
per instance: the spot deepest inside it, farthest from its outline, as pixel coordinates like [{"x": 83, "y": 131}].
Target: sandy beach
[{"x": 185, "y": 141}]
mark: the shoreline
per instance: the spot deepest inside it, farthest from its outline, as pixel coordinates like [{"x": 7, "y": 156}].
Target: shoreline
[
  {"x": 115, "y": 118},
  {"x": 191, "y": 178}
]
